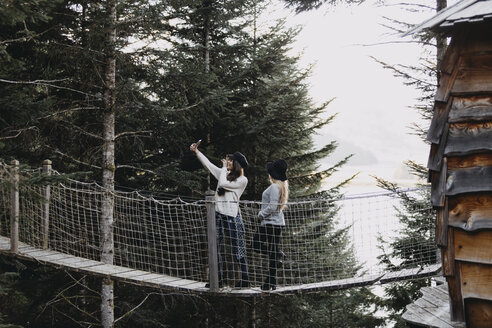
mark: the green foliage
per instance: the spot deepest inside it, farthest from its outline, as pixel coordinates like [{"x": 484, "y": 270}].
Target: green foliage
[
  {"x": 418, "y": 223},
  {"x": 415, "y": 246},
  {"x": 249, "y": 95},
  {"x": 306, "y": 5},
  {"x": 349, "y": 308}
]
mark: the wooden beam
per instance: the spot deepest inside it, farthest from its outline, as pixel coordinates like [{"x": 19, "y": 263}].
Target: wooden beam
[
  {"x": 478, "y": 313},
  {"x": 442, "y": 225},
  {"x": 465, "y": 109},
  {"x": 468, "y": 138},
  {"x": 474, "y": 77},
  {"x": 439, "y": 119},
  {"x": 477, "y": 40},
  {"x": 452, "y": 54},
  {"x": 473, "y": 246},
  {"x": 446, "y": 82},
  {"x": 448, "y": 266},
  {"x": 437, "y": 151},
  {"x": 469, "y": 161},
  {"x": 476, "y": 280},
  {"x": 469, "y": 180},
  {"x": 457, "y": 310},
  {"x": 471, "y": 211},
  {"x": 438, "y": 187}
]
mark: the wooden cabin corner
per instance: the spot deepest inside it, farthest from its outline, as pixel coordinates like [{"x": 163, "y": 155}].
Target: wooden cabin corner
[{"x": 460, "y": 167}]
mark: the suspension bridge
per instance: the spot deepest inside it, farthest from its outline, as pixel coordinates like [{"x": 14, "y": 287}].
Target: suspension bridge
[{"x": 162, "y": 243}]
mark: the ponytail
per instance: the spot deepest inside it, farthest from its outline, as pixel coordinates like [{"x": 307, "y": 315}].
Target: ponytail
[{"x": 283, "y": 186}]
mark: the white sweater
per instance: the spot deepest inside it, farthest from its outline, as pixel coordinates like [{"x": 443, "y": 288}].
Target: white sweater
[{"x": 227, "y": 204}]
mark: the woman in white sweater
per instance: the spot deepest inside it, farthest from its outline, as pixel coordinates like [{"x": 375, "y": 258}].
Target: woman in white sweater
[
  {"x": 230, "y": 187},
  {"x": 267, "y": 238}
]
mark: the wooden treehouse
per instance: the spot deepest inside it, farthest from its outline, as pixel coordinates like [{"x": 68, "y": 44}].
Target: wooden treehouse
[{"x": 460, "y": 165}]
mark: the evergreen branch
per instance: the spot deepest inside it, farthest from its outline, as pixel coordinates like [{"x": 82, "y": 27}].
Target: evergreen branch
[{"x": 403, "y": 74}]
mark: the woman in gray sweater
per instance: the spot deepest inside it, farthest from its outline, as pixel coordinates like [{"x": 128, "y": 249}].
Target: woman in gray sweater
[{"x": 267, "y": 238}]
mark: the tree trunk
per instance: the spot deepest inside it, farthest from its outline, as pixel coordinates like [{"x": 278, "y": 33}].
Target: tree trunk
[
  {"x": 206, "y": 56},
  {"x": 441, "y": 43},
  {"x": 108, "y": 167}
]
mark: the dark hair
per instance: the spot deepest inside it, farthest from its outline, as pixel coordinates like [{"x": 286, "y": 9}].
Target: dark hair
[{"x": 235, "y": 171}]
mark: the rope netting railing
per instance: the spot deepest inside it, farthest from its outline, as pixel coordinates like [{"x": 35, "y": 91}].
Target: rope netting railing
[{"x": 323, "y": 240}]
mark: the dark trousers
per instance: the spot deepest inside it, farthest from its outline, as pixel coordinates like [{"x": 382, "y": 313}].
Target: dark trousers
[
  {"x": 234, "y": 228},
  {"x": 266, "y": 241}
]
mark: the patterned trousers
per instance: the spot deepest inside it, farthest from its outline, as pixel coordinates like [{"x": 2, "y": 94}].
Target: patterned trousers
[{"x": 234, "y": 228}]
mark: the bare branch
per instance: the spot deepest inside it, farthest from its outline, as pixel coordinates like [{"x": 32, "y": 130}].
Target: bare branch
[
  {"x": 135, "y": 308},
  {"x": 25, "y": 38},
  {"x": 407, "y": 4},
  {"x": 124, "y": 166},
  {"x": 75, "y": 160},
  {"x": 128, "y": 133},
  {"x": 185, "y": 108},
  {"x": 390, "y": 42},
  {"x": 80, "y": 284},
  {"x": 18, "y": 133},
  {"x": 48, "y": 83},
  {"x": 67, "y": 110},
  {"x": 60, "y": 296},
  {"x": 84, "y": 131}
]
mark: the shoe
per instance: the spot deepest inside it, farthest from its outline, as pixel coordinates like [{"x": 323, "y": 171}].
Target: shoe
[
  {"x": 267, "y": 286},
  {"x": 207, "y": 285},
  {"x": 241, "y": 284},
  {"x": 270, "y": 284}
]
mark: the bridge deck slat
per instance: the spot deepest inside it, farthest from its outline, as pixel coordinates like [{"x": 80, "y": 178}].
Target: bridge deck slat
[
  {"x": 140, "y": 277},
  {"x": 68, "y": 261},
  {"x": 37, "y": 253},
  {"x": 130, "y": 274},
  {"x": 106, "y": 269}
]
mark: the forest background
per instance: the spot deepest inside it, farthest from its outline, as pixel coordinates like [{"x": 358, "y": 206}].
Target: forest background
[{"x": 185, "y": 70}]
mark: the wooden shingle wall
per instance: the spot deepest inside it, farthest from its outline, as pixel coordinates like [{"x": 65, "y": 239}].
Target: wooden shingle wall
[{"x": 460, "y": 169}]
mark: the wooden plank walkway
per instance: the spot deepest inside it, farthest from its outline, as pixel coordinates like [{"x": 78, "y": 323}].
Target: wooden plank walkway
[
  {"x": 432, "y": 309},
  {"x": 162, "y": 281}
]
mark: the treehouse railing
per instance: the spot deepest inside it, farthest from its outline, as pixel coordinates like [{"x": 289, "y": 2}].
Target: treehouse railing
[{"x": 323, "y": 240}]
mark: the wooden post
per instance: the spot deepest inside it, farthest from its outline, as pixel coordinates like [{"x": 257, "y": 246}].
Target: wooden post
[
  {"x": 14, "y": 218},
  {"x": 46, "y": 206},
  {"x": 212, "y": 241}
]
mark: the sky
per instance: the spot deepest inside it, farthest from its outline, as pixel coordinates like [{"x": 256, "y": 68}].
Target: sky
[{"x": 373, "y": 106}]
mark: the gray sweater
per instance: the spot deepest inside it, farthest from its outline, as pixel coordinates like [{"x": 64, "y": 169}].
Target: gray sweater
[{"x": 269, "y": 207}]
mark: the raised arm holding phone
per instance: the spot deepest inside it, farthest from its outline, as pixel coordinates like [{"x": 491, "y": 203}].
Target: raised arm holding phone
[{"x": 230, "y": 186}]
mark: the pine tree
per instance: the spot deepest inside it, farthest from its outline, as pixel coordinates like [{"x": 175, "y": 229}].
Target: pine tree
[
  {"x": 417, "y": 243},
  {"x": 200, "y": 73},
  {"x": 414, "y": 247}
]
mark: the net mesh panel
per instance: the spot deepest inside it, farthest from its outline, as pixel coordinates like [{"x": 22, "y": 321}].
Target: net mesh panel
[
  {"x": 5, "y": 179},
  {"x": 323, "y": 239}
]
